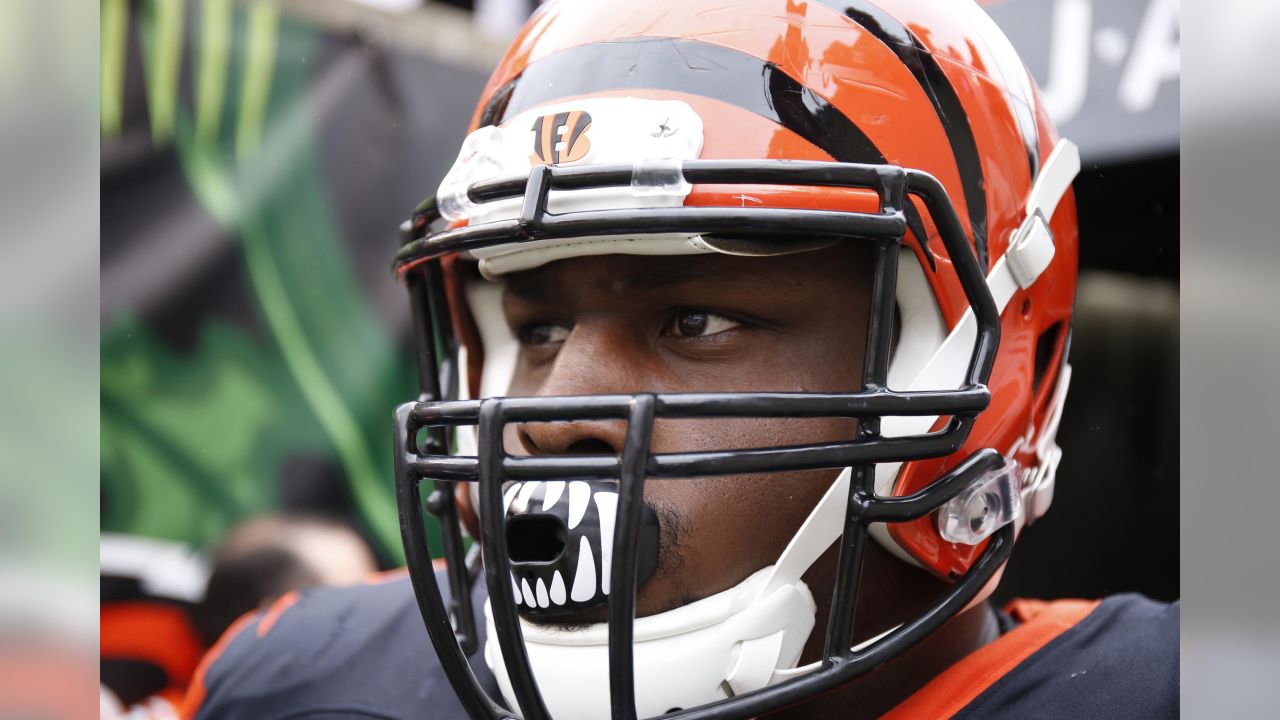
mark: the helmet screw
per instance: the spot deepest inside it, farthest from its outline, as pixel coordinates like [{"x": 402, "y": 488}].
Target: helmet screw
[{"x": 436, "y": 502}]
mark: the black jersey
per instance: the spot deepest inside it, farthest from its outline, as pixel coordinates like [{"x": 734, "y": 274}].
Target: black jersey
[
  {"x": 1064, "y": 660},
  {"x": 353, "y": 652},
  {"x": 363, "y": 652}
]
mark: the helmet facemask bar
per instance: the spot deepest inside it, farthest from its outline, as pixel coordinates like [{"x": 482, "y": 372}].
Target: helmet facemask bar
[{"x": 437, "y": 413}]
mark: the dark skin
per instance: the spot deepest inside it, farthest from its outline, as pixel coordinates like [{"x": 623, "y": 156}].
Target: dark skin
[{"x": 623, "y": 324}]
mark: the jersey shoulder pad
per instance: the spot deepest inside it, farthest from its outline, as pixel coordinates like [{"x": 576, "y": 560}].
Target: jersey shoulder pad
[
  {"x": 1120, "y": 660},
  {"x": 358, "y": 651}
]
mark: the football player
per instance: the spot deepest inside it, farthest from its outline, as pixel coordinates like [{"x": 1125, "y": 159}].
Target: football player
[{"x": 742, "y": 336}]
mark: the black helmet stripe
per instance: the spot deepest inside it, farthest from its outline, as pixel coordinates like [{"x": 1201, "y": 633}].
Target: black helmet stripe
[
  {"x": 707, "y": 70},
  {"x": 692, "y": 67},
  {"x": 933, "y": 81}
]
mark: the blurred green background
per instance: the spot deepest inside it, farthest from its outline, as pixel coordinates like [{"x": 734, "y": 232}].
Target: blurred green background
[{"x": 255, "y": 165}]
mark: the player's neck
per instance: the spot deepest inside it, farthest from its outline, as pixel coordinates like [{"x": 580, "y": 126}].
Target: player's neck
[{"x": 875, "y": 694}]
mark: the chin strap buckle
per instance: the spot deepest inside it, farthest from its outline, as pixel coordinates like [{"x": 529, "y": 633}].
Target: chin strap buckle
[
  {"x": 1030, "y": 251},
  {"x": 1031, "y": 248},
  {"x": 1037, "y": 486},
  {"x": 1037, "y": 490}
]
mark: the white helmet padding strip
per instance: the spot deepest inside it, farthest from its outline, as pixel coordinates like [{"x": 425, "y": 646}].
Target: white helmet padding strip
[
  {"x": 1037, "y": 492},
  {"x": 484, "y": 300},
  {"x": 501, "y": 349},
  {"x": 528, "y": 255}
]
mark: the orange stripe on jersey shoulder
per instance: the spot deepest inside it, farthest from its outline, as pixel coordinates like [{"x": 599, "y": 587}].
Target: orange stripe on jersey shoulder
[
  {"x": 282, "y": 603},
  {"x": 955, "y": 688},
  {"x": 196, "y": 695}
]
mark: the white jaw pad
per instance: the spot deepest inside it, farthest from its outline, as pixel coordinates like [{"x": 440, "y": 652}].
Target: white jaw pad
[{"x": 683, "y": 658}]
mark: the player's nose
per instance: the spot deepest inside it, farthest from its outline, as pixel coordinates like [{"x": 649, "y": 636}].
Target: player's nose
[
  {"x": 582, "y": 437},
  {"x": 599, "y": 358},
  {"x": 560, "y": 533}
]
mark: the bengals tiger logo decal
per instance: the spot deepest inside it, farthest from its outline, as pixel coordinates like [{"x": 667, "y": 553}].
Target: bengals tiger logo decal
[{"x": 560, "y": 138}]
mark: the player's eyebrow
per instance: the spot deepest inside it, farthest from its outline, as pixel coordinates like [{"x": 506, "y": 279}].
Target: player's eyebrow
[{"x": 541, "y": 286}]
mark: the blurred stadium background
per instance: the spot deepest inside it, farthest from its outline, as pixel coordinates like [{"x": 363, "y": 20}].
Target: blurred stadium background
[{"x": 257, "y": 157}]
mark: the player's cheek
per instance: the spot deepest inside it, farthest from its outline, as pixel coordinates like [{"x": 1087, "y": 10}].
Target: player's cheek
[{"x": 707, "y": 434}]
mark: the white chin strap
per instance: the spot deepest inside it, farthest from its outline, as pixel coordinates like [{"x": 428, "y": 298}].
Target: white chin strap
[
  {"x": 750, "y": 636},
  {"x": 723, "y": 645}
]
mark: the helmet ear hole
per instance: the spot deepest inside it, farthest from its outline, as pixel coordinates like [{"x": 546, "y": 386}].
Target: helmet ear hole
[{"x": 1046, "y": 348}]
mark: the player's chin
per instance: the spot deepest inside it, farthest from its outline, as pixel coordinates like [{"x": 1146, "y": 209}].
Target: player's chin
[
  {"x": 658, "y": 595},
  {"x": 566, "y": 621}
]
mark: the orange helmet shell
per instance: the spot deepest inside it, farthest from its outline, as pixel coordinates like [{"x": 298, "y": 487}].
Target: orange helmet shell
[{"x": 924, "y": 85}]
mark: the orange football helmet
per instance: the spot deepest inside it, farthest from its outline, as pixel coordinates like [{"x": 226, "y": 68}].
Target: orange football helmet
[{"x": 753, "y": 127}]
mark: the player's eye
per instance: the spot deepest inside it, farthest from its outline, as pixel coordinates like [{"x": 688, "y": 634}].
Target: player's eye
[
  {"x": 538, "y": 335},
  {"x": 699, "y": 323}
]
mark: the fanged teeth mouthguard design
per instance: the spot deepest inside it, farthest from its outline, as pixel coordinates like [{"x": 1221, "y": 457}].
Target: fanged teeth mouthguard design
[{"x": 560, "y": 543}]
